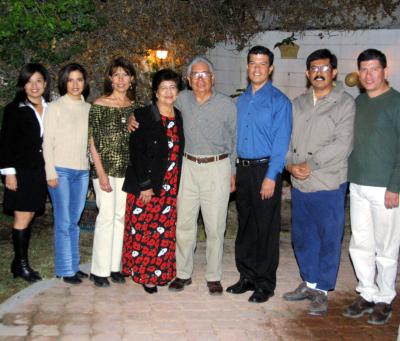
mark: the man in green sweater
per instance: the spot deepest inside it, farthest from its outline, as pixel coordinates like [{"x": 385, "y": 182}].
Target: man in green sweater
[{"x": 374, "y": 175}]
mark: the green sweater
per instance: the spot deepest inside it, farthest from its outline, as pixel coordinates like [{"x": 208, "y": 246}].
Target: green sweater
[{"x": 375, "y": 160}]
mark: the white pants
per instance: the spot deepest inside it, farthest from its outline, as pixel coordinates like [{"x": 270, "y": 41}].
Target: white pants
[
  {"x": 109, "y": 228},
  {"x": 375, "y": 241},
  {"x": 205, "y": 186}
]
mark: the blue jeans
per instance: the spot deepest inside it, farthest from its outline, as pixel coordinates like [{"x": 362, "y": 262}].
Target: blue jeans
[
  {"x": 317, "y": 229},
  {"x": 68, "y": 200}
]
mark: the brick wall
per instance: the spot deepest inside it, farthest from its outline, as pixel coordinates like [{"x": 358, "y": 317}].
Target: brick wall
[{"x": 289, "y": 73}]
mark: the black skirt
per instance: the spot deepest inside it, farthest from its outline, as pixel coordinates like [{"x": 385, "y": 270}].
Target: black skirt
[{"x": 31, "y": 192}]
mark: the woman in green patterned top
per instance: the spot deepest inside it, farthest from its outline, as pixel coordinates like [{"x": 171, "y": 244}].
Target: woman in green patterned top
[{"x": 108, "y": 144}]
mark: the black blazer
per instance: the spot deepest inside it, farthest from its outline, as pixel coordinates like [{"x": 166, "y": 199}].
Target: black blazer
[
  {"x": 20, "y": 141},
  {"x": 148, "y": 151}
]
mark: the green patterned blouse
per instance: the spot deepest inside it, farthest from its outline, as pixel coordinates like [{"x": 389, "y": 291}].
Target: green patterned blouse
[{"x": 108, "y": 127}]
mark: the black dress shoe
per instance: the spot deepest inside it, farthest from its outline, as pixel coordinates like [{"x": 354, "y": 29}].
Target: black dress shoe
[
  {"x": 241, "y": 287},
  {"x": 101, "y": 282},
  {"x": 82, "y": 274},
  {"x": 72, "y": 279},
  {"x": 178, "y": 284},
  {"x": 150, "y": 290},
  {"x": 260, "y": 296},
  {"x": 117, "y": 277}
]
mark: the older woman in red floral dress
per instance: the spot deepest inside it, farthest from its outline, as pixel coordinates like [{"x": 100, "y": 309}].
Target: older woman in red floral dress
[{"x": 151, "y": 181}]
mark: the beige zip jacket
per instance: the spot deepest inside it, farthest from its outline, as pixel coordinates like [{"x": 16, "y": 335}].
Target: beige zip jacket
[{"x": 322, "y": 136}]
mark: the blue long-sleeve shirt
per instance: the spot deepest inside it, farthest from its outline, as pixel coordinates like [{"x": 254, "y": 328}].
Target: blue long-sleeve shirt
[{"x": 264, "y": 126}]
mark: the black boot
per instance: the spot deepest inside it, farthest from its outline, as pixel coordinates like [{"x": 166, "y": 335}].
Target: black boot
[
  {"x": 35, "y": 273},
  {"x": 20, "y": 265}
]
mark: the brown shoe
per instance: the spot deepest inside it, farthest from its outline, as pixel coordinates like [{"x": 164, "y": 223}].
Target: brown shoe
[
  {"x": 319, "y": 304},
  {"x": 381, "y": 314},
  {"x": 178, "y": 284},
  {"x": 358, "y": 308},
  {"x": 215, "y": 288},
  {"x": 302, "y": 292}
]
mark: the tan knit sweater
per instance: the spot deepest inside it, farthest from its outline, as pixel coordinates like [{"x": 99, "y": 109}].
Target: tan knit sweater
[{"x": 65, "y": 135}]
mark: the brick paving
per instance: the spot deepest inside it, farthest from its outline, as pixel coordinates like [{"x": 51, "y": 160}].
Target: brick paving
[{"x": 126, "y": 312}]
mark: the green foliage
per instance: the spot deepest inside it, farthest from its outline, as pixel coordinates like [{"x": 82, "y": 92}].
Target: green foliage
[
  {"x": 34, "y": 30},
  {"x": 287, "y": 41}
]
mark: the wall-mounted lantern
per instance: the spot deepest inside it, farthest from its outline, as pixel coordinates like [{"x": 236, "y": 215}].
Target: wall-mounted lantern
[{"x": 162, "y": 54}]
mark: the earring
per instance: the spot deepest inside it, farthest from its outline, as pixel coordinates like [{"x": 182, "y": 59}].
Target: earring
[{"x": 130, "y": 86}]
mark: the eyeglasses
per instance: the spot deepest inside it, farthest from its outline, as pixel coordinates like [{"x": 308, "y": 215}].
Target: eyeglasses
[
  {"x": 201, "y": 74},
  {"x": 320, "y": 68}
]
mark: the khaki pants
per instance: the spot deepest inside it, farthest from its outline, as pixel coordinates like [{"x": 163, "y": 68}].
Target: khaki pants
[
  {"x": 109, "y": 228},
  {"x": 205, "y": 187}
]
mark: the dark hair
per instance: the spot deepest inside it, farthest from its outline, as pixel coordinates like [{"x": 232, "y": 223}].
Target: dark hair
[
  {"x": 372, "y": 54},
  {"x": 261, "y": 50},
  {"x": 128, "y": 68},
  {"x": 25, "y": 75},
  {"x": 164, "y": 75},
  {"x": 322, "y": 54},
  {"x": 63, "y": 76}
]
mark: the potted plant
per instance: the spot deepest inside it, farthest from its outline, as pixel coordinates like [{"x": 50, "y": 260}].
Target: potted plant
[{"x": 288, "y": 48}]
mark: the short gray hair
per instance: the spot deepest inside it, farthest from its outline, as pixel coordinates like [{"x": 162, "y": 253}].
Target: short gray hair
[{"x": 200, "y": 59}]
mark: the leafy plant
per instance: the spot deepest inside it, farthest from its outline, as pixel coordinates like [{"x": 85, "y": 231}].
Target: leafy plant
[
  {"x": 34, "y": 30},
  {"x": 287, "y": 41}
]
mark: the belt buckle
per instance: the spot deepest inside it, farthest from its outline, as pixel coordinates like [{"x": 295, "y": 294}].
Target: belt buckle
[{"x": 245, "y": 163}]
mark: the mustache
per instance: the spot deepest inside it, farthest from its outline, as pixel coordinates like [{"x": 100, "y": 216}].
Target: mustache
[{"x": 319, "y": 77}]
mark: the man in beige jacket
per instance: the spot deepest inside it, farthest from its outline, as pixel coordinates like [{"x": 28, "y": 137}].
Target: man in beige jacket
[{"x": 321, "y": 142}]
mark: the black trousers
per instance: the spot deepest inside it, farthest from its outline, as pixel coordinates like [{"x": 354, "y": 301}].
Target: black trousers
[{"x": 257, "y": 241}]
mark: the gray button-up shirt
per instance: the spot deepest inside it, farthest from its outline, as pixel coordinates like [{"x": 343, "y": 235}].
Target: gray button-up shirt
[{"x": 210, "y": 128}]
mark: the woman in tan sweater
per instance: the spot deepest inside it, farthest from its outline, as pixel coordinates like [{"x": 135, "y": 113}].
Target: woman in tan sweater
[{"x": 65, "y": 154}]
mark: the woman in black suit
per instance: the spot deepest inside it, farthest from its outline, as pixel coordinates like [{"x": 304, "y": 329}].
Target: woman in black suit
[
  {"x": 21, "y": 160},
  {"x": 151, "y": 181}
]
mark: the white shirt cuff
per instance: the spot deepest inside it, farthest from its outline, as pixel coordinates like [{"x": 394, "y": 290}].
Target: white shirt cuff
[{"x": 8, "y": 171}]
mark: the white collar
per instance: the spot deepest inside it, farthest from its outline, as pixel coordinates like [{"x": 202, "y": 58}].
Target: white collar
[{"x": 38, "y": 117}]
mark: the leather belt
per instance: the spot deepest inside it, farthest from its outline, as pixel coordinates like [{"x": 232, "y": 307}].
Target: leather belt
[
  {"x": 209, "y": 159},
  {"x": 252, "y": 162}
]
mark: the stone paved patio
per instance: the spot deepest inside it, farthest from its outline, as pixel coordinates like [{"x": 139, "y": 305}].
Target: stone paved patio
[{"x": 126, "y": 312}]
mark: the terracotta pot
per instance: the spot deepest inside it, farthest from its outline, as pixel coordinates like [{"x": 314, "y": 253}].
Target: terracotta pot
[{"x": 289, "y": 51}]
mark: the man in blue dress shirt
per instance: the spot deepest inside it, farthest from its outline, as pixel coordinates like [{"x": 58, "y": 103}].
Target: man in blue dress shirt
[{"x": 264, "y": 126}]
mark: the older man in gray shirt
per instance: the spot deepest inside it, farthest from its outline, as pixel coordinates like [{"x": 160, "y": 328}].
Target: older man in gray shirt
[{"x": 208, "y": 169}]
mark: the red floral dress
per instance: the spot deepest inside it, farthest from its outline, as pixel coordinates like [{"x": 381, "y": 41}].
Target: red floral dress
[{"x": 149, "y": 237}]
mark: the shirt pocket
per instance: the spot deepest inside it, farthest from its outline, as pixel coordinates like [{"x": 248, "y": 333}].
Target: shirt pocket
[{"x": 322, "y": 132}]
